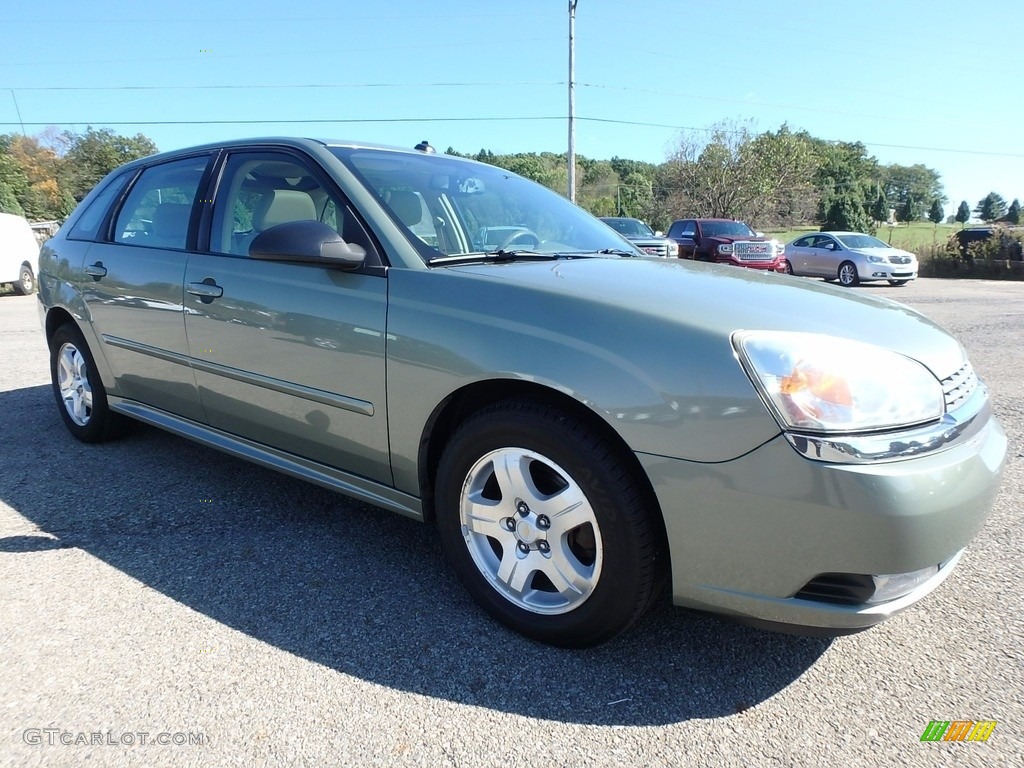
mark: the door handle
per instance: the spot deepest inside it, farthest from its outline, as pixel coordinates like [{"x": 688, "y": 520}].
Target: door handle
[
  {"x": 207, "y": 291},
  {"x": 96, "y": 271}
]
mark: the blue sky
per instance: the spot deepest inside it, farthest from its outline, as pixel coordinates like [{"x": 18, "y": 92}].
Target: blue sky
[{"x": 936, "y": 82}]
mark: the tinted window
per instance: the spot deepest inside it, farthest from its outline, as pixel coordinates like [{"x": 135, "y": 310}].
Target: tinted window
[
  {"x": 89, "y": 223},
  {"x": 158, "y": 209},
  {"x": 728, "y": 228}
]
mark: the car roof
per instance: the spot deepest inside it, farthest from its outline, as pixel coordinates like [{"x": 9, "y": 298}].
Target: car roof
[{"x": 298, "y": 142}]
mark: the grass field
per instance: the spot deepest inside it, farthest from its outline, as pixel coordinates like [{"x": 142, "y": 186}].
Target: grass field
[{"x": 912, "y": 237}]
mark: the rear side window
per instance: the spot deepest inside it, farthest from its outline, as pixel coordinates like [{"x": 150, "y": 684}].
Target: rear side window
[
  {"x": 88, "y": 225},
  {"x": 157, "y": 211}
]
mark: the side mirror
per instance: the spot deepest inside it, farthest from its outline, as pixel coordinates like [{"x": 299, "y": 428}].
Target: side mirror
[
  {"x": 311, "y": 242},
  {"x": 659, "y": 233}
]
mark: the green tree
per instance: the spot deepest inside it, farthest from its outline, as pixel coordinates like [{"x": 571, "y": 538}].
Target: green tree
[
  {"x": 844, "y": 211},
  {"x": 95, "y": 153},
  {"x": 732, "y": 173},
  {"x": 936, "y": 213},
  {"x": 910, "y": 210},
  {"x": 880, "y": 208},
  {"x": 991, "y": 207},
  {"x": 917, "y": 181},
  {"x": 1013, "y": 213},
  {"x": 13, "y": 184},
  {"x": 963, "y": 213}
]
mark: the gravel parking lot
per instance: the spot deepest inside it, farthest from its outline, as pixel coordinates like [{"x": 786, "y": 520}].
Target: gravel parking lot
[{"x": 156, "y": 591}]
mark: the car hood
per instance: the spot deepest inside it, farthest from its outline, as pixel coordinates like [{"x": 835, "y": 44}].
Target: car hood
[
  {"x": 734, "y": 238},
  {"x": 719, "y": 300}
]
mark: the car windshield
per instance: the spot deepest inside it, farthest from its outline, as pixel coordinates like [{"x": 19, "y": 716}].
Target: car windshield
[
  {"x": 629, "y": 227},
  {"x": 862, "y": 241},
  {"x": 450, "y": 206},
  {"x": 717, "y": 228}
]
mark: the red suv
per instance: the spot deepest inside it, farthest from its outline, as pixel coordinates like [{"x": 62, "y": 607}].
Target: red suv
[{"x": 727, "y": 242}]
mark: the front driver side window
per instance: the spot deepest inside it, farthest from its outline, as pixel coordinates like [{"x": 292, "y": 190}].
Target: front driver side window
[{"x": 260, "y": 190}]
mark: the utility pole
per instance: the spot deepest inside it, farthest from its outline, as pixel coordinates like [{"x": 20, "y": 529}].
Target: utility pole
[{"x": 572, "y": 100}]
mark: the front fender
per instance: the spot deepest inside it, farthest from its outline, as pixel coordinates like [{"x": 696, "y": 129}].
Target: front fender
[{"x": 666, "y": 389}]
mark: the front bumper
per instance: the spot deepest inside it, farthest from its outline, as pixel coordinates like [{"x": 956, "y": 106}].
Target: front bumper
[
  {"x": 745, "y": 536},
  {"x": 779, "y": 265}
]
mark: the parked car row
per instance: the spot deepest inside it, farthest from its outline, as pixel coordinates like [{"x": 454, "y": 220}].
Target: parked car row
[{"x": 848, "y": 257}]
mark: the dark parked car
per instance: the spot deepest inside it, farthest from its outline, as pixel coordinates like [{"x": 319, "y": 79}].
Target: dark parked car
[
  {"x": 643, "y": 237},
  {"x": 583, "y": 427},
  {"x": 1010, "y": 240},
  {"x": 725, "y": 241}
]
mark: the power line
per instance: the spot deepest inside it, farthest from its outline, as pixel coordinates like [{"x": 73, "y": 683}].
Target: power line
[{"x": 478, "y": 119}]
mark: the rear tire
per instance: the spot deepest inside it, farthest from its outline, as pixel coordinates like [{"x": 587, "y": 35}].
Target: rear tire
[
  {"x": 81, "y": 398},
  {"x": 547, "y": 526},
  {"x": 26, "y": 283}
]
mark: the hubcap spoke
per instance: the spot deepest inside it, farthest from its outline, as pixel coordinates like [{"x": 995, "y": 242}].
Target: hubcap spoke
[
  {"x": 569, "y": 510},
  {"x": 515, "y": 570},
  {"x": 569, "y": 576}
]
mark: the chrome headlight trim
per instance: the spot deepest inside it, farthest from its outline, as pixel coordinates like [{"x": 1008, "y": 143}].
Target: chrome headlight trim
[{"x": 962, "y": 425}]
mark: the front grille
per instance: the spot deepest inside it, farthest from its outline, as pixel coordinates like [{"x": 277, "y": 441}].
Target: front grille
[
  {"x": 654, "y": 250},
  {"x": 899, "y": 259},
  {"x": 842, "y": 588},
  {"x": 751, "y": 251},
  {"x": 959, "y": 386}
]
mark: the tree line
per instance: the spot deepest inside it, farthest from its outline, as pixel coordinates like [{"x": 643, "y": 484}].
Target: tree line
[
  {"x": 772, "y": 179},
  {"x": 43, "y": 177}
]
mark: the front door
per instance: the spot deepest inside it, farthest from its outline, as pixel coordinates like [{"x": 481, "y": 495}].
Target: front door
[{"x": 287, "y": 354}]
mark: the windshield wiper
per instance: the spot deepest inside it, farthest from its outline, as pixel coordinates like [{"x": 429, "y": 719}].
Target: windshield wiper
[
  {"x": 495, "y": 257},
  {"x": 615, "y": 252}
]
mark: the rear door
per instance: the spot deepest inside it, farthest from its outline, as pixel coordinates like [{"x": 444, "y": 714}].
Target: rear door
[
  {"x": 133, "y": 287},
  {"x": 289, "y": 355}
]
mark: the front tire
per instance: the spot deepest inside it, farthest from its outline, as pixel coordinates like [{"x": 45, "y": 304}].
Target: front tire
[
  {"x": 81, "y": 398},
  {"x": 898, "y": 282},
  {"x": 546, "y": 525},
  {"x": 26, "y": 282},
  {"x": 847, "y": 274}
]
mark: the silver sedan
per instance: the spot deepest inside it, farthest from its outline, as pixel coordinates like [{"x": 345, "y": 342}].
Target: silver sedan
[{"x": 850, "y": 257}]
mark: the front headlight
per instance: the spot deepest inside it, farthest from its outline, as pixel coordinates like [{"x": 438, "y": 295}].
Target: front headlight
[
  {"x": 825, "y": 384},
  {"x": 725, "y": 248},
  {"x": 673, "y": 249},
  {"x": 877, "y": 259}
]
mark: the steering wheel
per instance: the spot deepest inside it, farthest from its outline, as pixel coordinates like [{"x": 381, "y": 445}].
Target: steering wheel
[{"x": 523, "y": 238}]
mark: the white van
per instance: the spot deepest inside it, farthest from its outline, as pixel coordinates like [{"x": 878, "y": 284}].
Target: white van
[{"x": 19, "y": 254}]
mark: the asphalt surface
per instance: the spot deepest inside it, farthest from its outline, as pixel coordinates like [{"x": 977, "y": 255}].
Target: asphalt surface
[{"x": 152, "y": 589}]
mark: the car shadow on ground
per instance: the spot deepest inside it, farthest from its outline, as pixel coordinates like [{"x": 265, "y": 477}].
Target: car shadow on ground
[{"x": 354, "y": 588}]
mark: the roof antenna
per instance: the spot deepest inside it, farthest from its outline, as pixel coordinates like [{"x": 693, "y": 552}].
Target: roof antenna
[{"x": 424, "y": 146}]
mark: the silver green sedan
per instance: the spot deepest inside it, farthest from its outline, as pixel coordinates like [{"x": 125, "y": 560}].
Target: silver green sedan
[{"x": 584, "y": 426}]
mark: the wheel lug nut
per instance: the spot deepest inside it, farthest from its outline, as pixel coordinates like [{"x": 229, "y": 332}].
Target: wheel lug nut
[
  {"x": 543, "y": 546},
  {"x": 543, "y": 522},
  {"x": 509, "y": 523},
  {"x": 523, "y": 547},
  {"x": 522, "y": 509}
]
